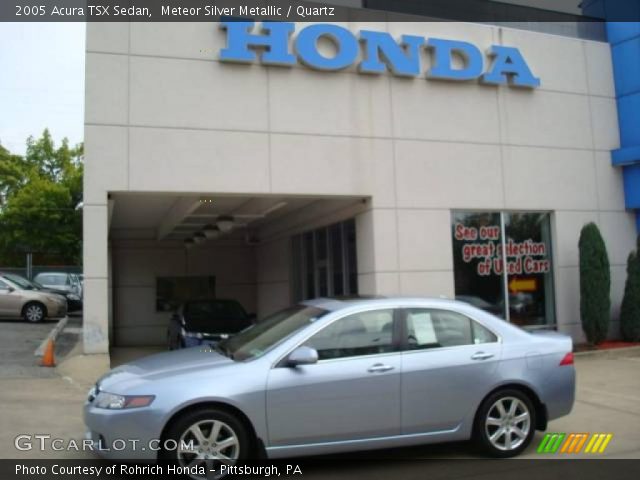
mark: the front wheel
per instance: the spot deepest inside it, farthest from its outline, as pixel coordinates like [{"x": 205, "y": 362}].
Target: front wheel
[
  {"x": 208, "y": 438},
  {"x": 34, "y": 312},
  {"x": 505, "y": 423}
]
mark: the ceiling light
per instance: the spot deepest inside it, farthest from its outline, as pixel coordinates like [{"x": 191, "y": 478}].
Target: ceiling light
[
  {"x": 225, "y": 223},
  {"x": 188, "y": 242},
  {"x": 211, "y": 232},
  {"x": 199, "y": 237}
]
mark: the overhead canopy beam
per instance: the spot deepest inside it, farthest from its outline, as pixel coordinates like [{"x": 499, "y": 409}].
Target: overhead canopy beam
[{"x": 183, "y": 207}]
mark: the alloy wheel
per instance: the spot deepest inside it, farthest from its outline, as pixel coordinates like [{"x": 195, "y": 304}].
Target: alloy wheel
[
  {"x": 208, "y": 443},
  {"x": 508, "y": 423},
  {"x": 34, "y": 313}
]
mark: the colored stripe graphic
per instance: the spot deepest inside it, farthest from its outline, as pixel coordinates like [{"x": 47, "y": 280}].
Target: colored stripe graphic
[
  {"x": 551, "y": 442},
  {"x": 573, "y": 443},
  {"x": 544, "y": 442},
  {"x": 581, "y": 442},
  {"x": 557, "y": 444},
  {"x": 606, "y": 442}
]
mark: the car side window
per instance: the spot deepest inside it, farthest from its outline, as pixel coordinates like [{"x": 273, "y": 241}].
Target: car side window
[
  {"x": 364, "y": 333},
  {"x": 482, "y": 334},
  {"x": 433, "y": 328}
]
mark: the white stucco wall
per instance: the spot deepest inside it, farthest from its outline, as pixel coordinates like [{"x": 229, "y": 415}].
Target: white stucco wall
[{"x": 163, "y": 115}]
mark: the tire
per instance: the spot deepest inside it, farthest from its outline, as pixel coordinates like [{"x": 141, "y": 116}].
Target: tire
[
  {"x": 207, "y": 451},
  {"x": 505, "y": 423},
  {"x": 34, "y": 312}
]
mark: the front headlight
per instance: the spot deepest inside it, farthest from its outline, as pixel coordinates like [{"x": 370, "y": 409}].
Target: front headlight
[
  {"x": 111, "y": 401},
  {"x": 191, "y": 334},
  {"x": 73, "y": 297}
]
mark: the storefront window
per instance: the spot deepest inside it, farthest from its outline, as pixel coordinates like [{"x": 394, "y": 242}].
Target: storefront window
[
  {"x": 529, "y": 277},
  {"x": 324, "y": 262},
  {"x": 503, "y": 264}
]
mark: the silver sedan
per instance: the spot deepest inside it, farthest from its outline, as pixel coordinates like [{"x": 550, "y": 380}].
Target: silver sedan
[{"x": 335, "y": 376}]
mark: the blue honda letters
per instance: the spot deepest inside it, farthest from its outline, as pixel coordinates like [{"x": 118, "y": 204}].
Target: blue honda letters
[{"x": 378, "y": 51}]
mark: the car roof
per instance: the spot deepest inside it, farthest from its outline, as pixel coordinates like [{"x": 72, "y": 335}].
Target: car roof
[{"x": 334, "y": 304}]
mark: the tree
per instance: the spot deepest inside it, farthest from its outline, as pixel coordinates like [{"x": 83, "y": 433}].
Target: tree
[
  {"x": 630, "y": 309},
  {"x": 13, "y": 174},
  {"x": 595, "y": 284},
  {"x": 39, "y": 196}
]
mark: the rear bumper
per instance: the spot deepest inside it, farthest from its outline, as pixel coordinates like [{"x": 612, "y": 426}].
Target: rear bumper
[{"x": 560, "y": 392}]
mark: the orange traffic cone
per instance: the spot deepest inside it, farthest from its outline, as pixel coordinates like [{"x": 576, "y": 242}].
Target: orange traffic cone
[{"x": 48, "y": 359}]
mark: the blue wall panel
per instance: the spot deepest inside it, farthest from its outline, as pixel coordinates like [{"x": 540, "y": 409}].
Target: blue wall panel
[
  {"x": 624, "y": 38},
  {"x": 626, "y": 66}
]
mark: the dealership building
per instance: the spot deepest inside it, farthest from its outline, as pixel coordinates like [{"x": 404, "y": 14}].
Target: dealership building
[{"x": 272, "y": 164}]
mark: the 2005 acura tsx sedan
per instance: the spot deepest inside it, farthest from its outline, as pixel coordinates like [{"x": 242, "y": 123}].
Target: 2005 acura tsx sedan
[{"x": 340, "y": 375}]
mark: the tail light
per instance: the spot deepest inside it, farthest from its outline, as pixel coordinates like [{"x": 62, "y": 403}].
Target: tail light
[{"x": 567, "y": 359}]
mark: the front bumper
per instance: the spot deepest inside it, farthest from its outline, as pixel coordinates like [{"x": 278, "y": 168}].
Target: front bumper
[
  {"x": 196, "y": 342},
  {"x": 74, "y": 305},
  {"x": 123, "y": 435},
  {"x": 56, "y": 310}
]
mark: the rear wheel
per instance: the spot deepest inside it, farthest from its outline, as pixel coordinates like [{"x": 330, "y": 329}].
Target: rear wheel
[
  {"x": 34, "y": 312},
  {"x": 208, "y": 438},
  {"x": 505, "y": 423}
]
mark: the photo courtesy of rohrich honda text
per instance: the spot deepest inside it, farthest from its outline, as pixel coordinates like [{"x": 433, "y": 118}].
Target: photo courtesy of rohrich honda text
[{"x": 338, "y": 239}]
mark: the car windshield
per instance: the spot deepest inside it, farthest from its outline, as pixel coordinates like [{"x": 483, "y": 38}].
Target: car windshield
[
  {"x": 258, "y": 339},
  {"x": 19, "y": 281},
  {"x": 216, "y": 316}
]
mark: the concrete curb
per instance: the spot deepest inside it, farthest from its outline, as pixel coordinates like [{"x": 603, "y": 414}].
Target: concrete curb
[
  {"x": 53, "y": 334},
  {"x": 610, "y": 352}
]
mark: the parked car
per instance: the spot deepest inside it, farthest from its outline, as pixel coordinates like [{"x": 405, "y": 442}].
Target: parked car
[
  {"x": 481, "y": 303},
  {"x": 69, "y": 282},
  {"x": 74, "y": 302},
  {"x": 207, "y": 322},
  {"x": 18, "y": 300},
  {"x": 336, "y": 376}
]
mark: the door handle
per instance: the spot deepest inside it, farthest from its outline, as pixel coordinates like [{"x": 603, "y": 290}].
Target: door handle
[
  {"x": 481, "y": 356},
  {"x": 379, "y": 368}
]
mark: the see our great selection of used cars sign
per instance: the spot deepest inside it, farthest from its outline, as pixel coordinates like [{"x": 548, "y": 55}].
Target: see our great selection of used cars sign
[{"x": 379, "y": 52}]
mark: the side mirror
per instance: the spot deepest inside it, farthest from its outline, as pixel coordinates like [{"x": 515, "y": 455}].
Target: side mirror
[{"x": 302, "y": 356}]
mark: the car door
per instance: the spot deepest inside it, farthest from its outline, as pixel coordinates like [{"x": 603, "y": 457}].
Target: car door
[
  {"x": 10, "y": 301},
  {"x": 352, "y": 392},
  {"x": 449, "y": 362}
]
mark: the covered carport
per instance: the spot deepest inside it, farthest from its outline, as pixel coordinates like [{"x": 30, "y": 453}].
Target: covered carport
[{"x": 257, "y": 250}]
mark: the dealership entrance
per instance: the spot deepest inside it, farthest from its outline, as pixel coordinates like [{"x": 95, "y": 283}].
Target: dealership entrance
[{"x": 263, "y": 251}]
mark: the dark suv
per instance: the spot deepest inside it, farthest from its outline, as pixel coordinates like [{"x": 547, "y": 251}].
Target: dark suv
[{"x": 206, "y": 322}]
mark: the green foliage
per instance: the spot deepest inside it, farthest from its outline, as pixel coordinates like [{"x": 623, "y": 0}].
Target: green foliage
[
  {"x": 39, "y": 196},
  {"x": 630, "y": 309},
  {"x": 13, "y": 174},
  {"x": 595, "y": 284}
]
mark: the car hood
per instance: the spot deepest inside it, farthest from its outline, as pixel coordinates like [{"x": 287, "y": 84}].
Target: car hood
[
  {"x": 57, "y": 288},
  {"x": 162, "y": 366},
  {"x": 56, "y": 291}
]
